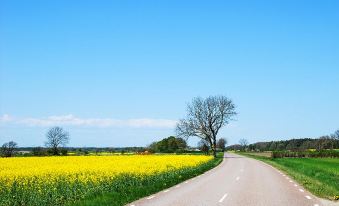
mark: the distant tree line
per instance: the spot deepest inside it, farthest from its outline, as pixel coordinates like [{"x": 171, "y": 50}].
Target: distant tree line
[
  {"x": 77, "y": 151},
  {"x": 321, "y": 153},
  {"x": 321, "y": 143}
]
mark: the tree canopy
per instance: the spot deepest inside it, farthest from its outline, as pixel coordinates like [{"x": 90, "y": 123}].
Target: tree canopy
[
  {"x": 169, "y": 145},
  {"x": 205, "y": 118},
  {"x": 56, "y": 138},
  {"x": 8, "y": 149},
  {"x": 221, "y": 144}
]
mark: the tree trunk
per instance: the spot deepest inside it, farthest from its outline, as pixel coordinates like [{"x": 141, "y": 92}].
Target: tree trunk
[
  {"x": 214, "y": 152},
  {"x": 214, "y": 147},
  {"x": 55, "y": 151}
]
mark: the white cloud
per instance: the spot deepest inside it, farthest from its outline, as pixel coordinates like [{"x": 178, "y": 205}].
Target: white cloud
[
  {"x": 71, "y": 120},
  {"x": 5, "y": 118}
]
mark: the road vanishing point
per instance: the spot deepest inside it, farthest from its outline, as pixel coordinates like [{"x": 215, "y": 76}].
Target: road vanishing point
[{"x": 237, "y": 181}]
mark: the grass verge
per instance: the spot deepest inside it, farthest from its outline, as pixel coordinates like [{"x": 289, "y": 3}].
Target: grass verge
[
  {"x": 137, "y": 188},
  {"x": 318, "y": 175}
]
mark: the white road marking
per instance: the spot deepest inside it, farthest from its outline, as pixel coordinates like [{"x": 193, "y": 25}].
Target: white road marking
[
  {"x": 186, "y": 182},
  {"x": 301, "y": 190},
  {"x": 308, "y": 197},
  {"x": 166, "y": 191},
  {"x": 237, "y": 178},
  {"x": 151, "y": 197},
  {"x": 223, "y": 197},
  {"x": 132, "y": 205},
  {"x": 284, "y": 175},
  {"x": 295, "y": 185},
  {"x": 316, "y": 205},
  {"x": 291, "y": 181},
  {"x": 287, "y": 178},
  {"x": 177, "y": 186}
]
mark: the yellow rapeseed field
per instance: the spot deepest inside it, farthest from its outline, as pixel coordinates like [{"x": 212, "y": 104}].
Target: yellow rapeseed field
[
  {"x": 40, "y": 180},
  {"x": 91, "y": 168}
]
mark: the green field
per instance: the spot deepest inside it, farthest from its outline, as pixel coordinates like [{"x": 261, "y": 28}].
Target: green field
[{"x": 319, "y": 175}]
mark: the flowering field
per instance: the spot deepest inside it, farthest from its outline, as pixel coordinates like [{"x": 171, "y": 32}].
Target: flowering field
[{"x": 66, "y": 180}]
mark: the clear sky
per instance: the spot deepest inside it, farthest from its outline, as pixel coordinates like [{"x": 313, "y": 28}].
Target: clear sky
[{"x": 120, "y": 73}]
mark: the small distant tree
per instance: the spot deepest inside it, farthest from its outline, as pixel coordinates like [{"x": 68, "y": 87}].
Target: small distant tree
[
  {"x": 181, "y": 144},
  {"x": 153, "y": 147},
  {"x": 203, "y": 146},
  {"x": 78, "y": 151},
  {"x": 280, "y": 146},
  {"x": 335, "y": 139},
  {"x": 336, "y": 134},
  {"x": 221, "y": 144},
  {"x": 8, "y": 149},
  {"x": 56, "y": 138},
  {"x": 292, "y": 145},
  {"x": 39, "y": 151},
  {"x": 273, "y": 146},
  {"x": 306, "y": 145},
  {"x": 243, "y": 143},
  {"x": 324, "y": 142},
  {"x": 111, "y": 150},
  {"x": 64, "y": 151}
]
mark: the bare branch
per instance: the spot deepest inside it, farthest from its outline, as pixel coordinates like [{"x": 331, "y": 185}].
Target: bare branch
[
  {"x": 205, "y": 118},
  {"x": 56, "y": 137}
]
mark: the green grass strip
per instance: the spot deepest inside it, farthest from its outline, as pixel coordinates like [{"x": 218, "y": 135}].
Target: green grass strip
[{"x": 318, "y": 175}]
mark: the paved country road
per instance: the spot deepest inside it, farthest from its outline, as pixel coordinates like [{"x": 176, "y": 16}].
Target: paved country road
[{"x": 237, "y": 181}]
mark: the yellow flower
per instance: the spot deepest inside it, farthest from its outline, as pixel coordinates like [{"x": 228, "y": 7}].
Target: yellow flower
[{"x": 89, "y": 169}]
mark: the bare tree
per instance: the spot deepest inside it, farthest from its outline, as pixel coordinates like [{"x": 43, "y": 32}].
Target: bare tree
[
  {"x": 8, "y": 149},
  {"x": 56, "y": 137},
  {"x": 335, "y": 135},
  {"x": 221, "y": 144},
  {"x": 205, "y": 117},
  {"x": 243, "y": 143}
]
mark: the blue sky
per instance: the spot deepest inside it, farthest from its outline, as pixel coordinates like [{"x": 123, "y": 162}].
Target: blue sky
[{"x": 120, "y": 73}]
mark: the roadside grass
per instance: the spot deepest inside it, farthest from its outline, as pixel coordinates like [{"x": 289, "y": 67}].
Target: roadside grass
[
  {"x": 319, "y": 175},
  {"x": 138, "y": 188}
]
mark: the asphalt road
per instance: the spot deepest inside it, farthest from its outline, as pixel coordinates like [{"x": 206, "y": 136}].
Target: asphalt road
[{"x": 237, "y": 181}]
